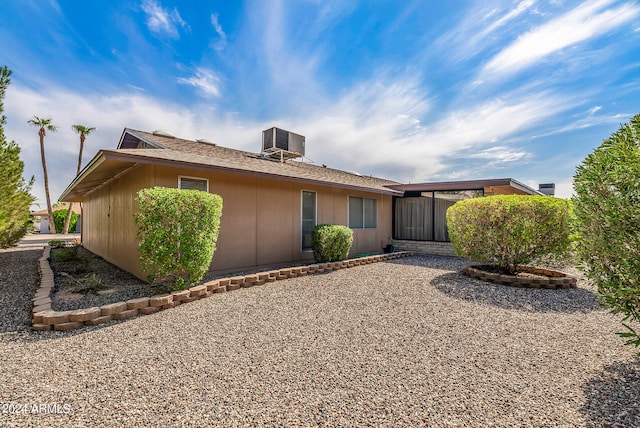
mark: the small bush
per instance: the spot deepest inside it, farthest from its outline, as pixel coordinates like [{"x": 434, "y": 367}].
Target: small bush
[
  {"x": 508, "y": 230},
  {"x": 607, "y": 201},
  {"x": 331, "y": 243},
  {"x": 57, "y": 243},
  {"x": 177, "y": 230},
  {"x": 60, "y": 216}
]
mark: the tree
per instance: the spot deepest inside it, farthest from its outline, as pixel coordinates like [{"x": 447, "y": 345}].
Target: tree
[
  {"x": 45, "y": 125},
  {"x": 15, "y": 216},
  {"x": 607, "y": 202},
  {"x": 83, "y": 131}
]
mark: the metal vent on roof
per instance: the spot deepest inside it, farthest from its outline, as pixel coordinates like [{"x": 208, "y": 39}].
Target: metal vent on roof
[
  {"x": 205, "y": 141},
  {"x": 163, "y": 133}
]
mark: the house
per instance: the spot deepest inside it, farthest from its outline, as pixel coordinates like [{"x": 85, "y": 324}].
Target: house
[
  {"x": 41, "y": 217},
  {"x": 271, "y": 201}
]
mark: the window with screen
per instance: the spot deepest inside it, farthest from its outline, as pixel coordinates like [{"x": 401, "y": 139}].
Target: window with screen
[
  {"x": 193, "y": 183},
  {"x": 308, "y": 218},
  {"x": 363, "y": 213}
]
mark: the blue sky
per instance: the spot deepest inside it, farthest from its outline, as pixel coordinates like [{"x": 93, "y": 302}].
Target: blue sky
[{"x": 411, "y": 91}]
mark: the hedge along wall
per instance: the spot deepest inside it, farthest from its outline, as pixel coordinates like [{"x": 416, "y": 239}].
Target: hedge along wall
[{"x": 177, "y": 230}]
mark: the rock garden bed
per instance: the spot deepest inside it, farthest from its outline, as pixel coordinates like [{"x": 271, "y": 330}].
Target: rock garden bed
[{"x": 525, "y": 277}]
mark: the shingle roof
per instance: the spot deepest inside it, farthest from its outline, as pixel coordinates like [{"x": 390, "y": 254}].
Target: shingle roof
[
  {"x": 212, "y": 155},
  {"x": 157, "y": 149}
]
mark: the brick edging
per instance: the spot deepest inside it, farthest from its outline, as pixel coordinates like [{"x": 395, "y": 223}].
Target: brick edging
[
  {"x": 554, "y": 279},
  {"x": 45, "y": 319}
]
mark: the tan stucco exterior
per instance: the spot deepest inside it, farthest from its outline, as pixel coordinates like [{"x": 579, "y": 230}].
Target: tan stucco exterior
[{"x": 261, "y": 218}]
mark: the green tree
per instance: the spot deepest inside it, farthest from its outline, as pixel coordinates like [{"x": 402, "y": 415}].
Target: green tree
[
  {"x": 45, "y": 125},
  {"x": 59, "y": 219},
  {"x": 15, "y": 216},
  {"x": 607, "y": 211},
  {"x": 83, "y": 131}
]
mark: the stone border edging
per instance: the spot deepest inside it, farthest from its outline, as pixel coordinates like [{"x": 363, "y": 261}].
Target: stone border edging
[
  {"x": 45, "y": 319},
  {"x": 554, "y": 279}
]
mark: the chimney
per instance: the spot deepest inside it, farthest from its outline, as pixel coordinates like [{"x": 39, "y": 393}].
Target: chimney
[{"x": 548, "y": 189}]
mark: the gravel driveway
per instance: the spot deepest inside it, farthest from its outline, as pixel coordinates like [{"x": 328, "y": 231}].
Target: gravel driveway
[{"x": 403, "y": 343}]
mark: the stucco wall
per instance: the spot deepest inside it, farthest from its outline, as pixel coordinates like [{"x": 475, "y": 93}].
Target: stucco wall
[{"x": 261, "y": 218}]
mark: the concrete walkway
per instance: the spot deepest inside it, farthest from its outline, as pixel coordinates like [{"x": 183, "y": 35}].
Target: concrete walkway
[{"x": 40, "y": 240}]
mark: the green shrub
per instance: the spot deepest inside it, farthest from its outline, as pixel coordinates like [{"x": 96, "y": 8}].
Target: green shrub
[
  {"x": 508, "y": 230},
  {"x": 331, "y": 242},
  {"x": 177, "y": 230},
  {"x": 15, "y": 215},
  {"x": 607, "y": 211},
  {"x": 60, "y": 216},
  {"x": 57, "y": 243}
]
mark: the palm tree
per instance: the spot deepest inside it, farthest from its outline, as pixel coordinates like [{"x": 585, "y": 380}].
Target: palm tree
[
  {"x": 45, "y": 125},
  {"x": 83, "y": 131}
]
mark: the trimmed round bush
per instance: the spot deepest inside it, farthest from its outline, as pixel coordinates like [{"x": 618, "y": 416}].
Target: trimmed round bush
[
  {"x": 178, "y": 230},
  {"x": 607, "y": 211},
  {"x": 509, "y": 230},
  {"x": 331, "y": 243}
]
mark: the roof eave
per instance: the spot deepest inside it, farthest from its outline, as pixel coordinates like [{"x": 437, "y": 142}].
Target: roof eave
[{"x": 98, "y": 159}]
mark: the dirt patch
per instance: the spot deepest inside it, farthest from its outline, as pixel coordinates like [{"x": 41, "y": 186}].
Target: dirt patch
[{"x": 83, "y": 279}]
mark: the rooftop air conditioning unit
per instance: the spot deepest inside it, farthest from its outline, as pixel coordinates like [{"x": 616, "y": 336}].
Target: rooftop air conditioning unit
[{"x": 283, "y": 143}]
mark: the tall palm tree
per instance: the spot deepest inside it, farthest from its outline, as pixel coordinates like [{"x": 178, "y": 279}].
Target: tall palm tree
[
  {"x": 45, "y": 125},
  {"x": 83, "y": 131}
]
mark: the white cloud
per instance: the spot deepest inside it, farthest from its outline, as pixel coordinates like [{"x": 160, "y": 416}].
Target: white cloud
[
  {"x": 586, "y": 21},
  {"x": 219, "y": 44},
  {"x": 593, "y": 110},
  {"x": 522, "y": 7},
  {"x": 161, "y": 20},
  {"x": 589, "y": 121},
  {"x": 498, "y": 155},
  {"x": 206, "y": 80},
  {"x": 378, "y": 128}
]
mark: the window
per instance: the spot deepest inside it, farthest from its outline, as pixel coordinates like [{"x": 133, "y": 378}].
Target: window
[
  {"x": 363, "y": 213},
  {"x": 308, "y": 218},
  {"x": 193, "y": 183}
]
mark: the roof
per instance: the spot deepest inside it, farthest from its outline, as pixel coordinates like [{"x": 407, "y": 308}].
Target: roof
[
  {"x": 497, "y": 186},
  {"x": 76, "y": 209},
  {"x": 139, "y": 147}
]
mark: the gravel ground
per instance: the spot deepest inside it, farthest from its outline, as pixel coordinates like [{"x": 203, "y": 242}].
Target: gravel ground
[{"x": 403, "y": 343}]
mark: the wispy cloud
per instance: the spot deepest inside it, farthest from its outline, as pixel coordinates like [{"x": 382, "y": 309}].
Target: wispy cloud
[
  {"x": 590, "y": 120},
  {"x": 480, "y": 29},
  {"x": 222, "y": 41},
  {"x": 205, "y": 80},
  {"x": 497, "y": 156},
  {"x": 522, "y": 7},
  {"x": 584, "y": 22},
  {"x": 163, "y": 21}
]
